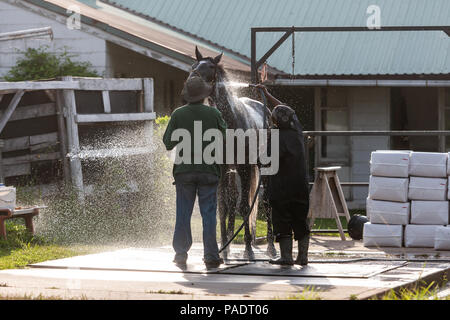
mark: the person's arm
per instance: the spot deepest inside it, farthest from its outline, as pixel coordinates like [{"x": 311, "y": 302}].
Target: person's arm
[
  {"x": 270, "y": 98},
  {"x": 167, "y": 138}
]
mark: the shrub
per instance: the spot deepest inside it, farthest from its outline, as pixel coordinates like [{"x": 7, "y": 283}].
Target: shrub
[{"x": 41, "y": 64}]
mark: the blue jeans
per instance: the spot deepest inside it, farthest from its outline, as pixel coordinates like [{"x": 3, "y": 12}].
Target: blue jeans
[{"x": 188, "y": 186}]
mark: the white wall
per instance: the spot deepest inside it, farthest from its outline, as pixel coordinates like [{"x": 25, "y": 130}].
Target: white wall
[
  {"x": 369, "y": 111},
  {"x": 14, "y": 18}
]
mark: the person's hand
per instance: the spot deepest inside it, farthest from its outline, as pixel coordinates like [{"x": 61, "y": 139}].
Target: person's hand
[{"x": 263, "y": 87}]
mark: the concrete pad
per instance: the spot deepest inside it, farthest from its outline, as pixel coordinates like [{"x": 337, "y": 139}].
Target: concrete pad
[
  {"x": 338, "y": 270},
  {"x": 133, "y": 259}
]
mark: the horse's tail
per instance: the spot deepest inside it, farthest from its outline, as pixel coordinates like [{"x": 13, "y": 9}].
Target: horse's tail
[{"x": 254, "y": 172}]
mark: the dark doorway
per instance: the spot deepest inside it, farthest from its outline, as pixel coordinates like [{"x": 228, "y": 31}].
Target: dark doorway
[{"x": 414, "y": 109}]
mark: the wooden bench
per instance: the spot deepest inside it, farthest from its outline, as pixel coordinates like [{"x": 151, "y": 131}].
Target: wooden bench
[{"x": 24, "y": 213}]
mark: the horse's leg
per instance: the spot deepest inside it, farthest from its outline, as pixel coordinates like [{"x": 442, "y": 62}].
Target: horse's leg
[
  {"x": 271, "y": 251},
  {"x": 244, "y": 208}
]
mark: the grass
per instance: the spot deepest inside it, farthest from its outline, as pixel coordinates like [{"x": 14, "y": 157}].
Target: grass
[
  {"x": 22, "y": 248},
  {"x": 420, "y": 292}
]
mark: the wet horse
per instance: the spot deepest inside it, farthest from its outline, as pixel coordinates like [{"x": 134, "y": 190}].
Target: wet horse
[{"x": 239, "y": 182}]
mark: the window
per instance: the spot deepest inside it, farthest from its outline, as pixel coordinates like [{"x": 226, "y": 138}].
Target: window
[{"x": 334, "y": 115}]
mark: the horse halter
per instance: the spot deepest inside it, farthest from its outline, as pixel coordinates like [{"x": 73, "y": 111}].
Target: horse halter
[{"x": 212, "y": 82}]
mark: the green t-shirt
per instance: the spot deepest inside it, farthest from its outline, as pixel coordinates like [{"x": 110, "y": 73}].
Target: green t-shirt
[{"x": 183, "y": 118}]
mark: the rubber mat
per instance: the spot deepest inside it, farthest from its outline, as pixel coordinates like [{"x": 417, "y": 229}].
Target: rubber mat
[{"x": 330, "y": 270}]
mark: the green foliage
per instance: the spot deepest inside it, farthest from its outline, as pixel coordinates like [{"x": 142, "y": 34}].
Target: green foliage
[
  {"x": 41, "y": 64},
  {"x": 18, "y": 237},
  {"x": 162, "y": 121}
]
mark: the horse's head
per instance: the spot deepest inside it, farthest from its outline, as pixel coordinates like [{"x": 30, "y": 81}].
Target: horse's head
[{"x": 205, "y": 67}]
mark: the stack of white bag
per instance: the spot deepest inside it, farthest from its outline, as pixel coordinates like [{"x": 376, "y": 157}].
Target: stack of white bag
[
  {"x": 428, "y": 192},
  {"x": 408, "y": 200},
  {"x": 388, "y": 208}
]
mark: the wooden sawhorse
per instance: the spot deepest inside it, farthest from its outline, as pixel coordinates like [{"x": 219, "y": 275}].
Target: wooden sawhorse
[{"x": 327, "y": 198}]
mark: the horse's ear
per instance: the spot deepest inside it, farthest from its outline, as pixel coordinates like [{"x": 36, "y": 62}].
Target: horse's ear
[
  {"x": 217, "y": 59},
  {"x": 198, "y": 55}
]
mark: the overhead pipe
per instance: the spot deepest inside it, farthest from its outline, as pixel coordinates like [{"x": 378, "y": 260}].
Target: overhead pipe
[{"x": 29, "y": 33}]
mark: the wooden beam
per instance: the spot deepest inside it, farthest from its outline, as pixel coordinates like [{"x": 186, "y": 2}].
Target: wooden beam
[
  {"x": 9, "y": 111},
  {"x": 35, "y": 111},
  {"x": 115, "y": 117},
  {"x": 29, "y": 142},
  {"x": 17, "y": 170},
  {"x": 28, "y": 158},
  {"x": 99, "y": 84},
  {"x": 38, "y": 85}
]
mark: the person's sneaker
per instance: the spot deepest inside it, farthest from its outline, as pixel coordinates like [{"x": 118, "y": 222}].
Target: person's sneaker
[{"x": 211, "y": 264}]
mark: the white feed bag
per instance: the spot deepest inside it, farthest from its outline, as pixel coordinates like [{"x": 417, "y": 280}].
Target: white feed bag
[
  {"x": 390, "y": 164},
  {"x": 7, "y": 198},
  {"x": 388, "y": 189},
  {"x": 388, "y": 212},
  {"x": 442, "y": 238},
  {"x": 428, "y": 164},
  {"x": 381, "y": 235},
  {"x": 420, "y": 236},
  {"x": 448, "y": 165},
  {"x": 433, "y": 189},
  {"x": 429, "y": 212}
]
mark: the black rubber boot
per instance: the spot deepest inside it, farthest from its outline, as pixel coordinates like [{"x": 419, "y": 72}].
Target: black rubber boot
[
  {"x": 303, "y": 247},
  {"x": 285, "y": 252}
]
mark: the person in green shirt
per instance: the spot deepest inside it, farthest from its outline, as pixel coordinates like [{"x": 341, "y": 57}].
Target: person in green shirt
[{"x": 194, "y": 176}]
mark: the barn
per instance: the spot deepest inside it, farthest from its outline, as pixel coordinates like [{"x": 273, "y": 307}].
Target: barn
[{"x": 336, "y": 81}]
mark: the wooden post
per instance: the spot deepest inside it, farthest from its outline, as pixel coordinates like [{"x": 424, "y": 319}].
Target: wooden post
[
  {"x": 70, "y": 113},
  {"x": 106, "y": 102},
  {"x": 147, "y": 87},
  {"x": 62, "y": 135}
]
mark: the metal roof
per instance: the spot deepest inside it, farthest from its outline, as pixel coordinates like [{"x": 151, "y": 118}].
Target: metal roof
[
  {"x": 226, "y": 24},
  {"x": 161, "y": 41}
]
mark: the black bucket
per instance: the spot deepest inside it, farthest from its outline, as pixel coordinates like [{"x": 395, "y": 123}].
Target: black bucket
[{"x": 356, "y": 225}]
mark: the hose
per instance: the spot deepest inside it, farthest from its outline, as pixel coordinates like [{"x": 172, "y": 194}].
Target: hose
[{"x": 247, "y": 216}]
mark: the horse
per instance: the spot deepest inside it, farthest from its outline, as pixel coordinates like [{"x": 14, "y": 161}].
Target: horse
[{"x": 239, "y": 182}]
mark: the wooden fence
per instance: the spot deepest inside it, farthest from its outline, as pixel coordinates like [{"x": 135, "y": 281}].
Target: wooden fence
[{"x": 63, "y": 106}]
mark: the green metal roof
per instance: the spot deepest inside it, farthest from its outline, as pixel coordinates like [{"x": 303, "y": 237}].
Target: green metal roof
[{"x": 227, "y": 24}]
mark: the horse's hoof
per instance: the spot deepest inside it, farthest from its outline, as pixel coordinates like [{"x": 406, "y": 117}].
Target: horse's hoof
[
  {"x": 271, "y": 251},
  {"x": 249, "y": 255}
]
